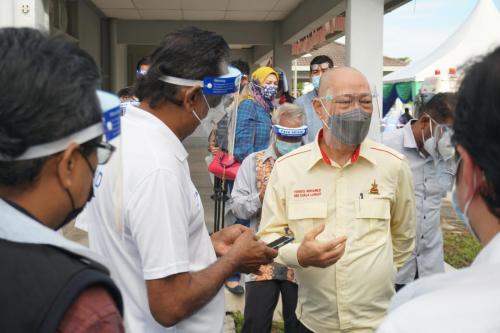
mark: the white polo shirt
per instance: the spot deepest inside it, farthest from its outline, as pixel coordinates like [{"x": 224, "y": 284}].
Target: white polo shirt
[
  {"x": 465, "y": 300},
  {"x": 164, "y": 230}
]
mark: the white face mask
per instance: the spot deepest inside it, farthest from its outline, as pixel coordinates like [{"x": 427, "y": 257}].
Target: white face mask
[
  {"x": 430, "y": 143},
  {"x": 213, "y": 117},
  {"x": 444, "y": 146}
]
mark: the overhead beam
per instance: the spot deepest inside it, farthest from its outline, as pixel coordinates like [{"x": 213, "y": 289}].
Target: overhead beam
[
  {"x": 308, "y": 16},
  {"x": 261, "y": 53},
  {"x": 311, "y": 14},
  {"x": 234, "y": 32}
]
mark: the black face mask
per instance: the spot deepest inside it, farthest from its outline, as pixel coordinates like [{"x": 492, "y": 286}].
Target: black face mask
[{"x": 76, "y": 211}]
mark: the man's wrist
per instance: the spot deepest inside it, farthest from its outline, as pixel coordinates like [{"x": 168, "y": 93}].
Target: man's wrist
[{"x": 230, "y": 261}]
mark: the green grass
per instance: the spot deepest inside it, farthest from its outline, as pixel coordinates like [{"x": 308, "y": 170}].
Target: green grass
[
  {"x": 278, "y": 327},
  {"x": 460, "y": 248}
]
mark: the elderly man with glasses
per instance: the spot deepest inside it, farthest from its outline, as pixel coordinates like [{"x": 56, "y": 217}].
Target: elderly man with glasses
[{"x": 349, "y": 203}]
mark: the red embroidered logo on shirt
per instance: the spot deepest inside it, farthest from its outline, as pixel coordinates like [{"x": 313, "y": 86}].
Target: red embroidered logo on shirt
[{"x": 305, "y": 193}]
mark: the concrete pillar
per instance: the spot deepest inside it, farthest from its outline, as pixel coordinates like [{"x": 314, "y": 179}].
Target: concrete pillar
[
  {"x": 118, "y": 54},
  {"x": 24, "y": 13},
  {"x": 282, "y": 55},
  {"x": 364, "y": 49}
]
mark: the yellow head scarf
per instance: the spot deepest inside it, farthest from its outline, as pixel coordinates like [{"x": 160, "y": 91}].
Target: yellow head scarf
[{"x": 262, "y": 73}]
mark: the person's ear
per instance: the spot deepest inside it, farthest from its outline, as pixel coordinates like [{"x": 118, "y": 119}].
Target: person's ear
[
  {"x": 318, "y": 108},
  {"x": 66, "y": 165},
  {"x": 192, "y": 98},
  {"x": 424, "y": 121},
  {"x": 469, "y": 171}
]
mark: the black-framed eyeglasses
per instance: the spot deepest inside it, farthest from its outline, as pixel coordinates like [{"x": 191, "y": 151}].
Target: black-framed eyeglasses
[{"x": 104, "y": 151}]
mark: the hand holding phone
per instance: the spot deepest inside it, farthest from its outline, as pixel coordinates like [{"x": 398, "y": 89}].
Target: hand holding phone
[{"x": 282, "y": 241}]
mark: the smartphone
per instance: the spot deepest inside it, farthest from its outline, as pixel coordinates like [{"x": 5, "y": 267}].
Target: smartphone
[{"x": 282, "y": 241}]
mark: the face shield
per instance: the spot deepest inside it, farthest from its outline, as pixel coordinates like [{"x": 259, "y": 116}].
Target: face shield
[
  {"x": 445, "y": 157},
  {"x": 348, "y": 116},
  {"x": 220, "y": 94},
  {"x": 109, "y": 129},
  {"x": 287, "y": 139}
]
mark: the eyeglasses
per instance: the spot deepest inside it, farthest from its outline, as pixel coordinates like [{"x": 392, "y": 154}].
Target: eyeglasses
[
  {"x": 104, "y": 151},
  {"x": 349, "y": 101}
]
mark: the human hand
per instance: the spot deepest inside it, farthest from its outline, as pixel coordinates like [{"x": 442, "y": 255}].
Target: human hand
[
  {"x": 223, "y": 239},
  {"x": 214, "y": 150},
  {"x": 312, "y": 252},
  {"x": 248, "y": 253}
]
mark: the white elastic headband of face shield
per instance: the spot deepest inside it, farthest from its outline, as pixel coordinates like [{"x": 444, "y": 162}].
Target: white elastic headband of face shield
[
  {"x": 178, "y": 81},
  {"x": 82, "y": 136}
]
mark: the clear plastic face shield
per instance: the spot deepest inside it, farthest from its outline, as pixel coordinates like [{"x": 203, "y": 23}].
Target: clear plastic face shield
[
  {"x": 109, "y": 129},
  {"x": 287, "y": 139},
  {"x": 348, "y": 116},
  {"x": 445, "y": 159},
  {"x": 220, "y": 94}
]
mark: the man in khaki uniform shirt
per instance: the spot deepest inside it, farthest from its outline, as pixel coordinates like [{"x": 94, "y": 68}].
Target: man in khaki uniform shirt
[{"x": 350, "y": 205}]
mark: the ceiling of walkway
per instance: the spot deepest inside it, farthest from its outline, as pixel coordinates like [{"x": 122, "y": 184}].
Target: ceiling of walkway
[{"x": 198, "y": 10}]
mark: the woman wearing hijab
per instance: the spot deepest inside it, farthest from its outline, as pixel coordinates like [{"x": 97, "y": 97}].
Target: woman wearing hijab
[{"x": 253, "y": 124}]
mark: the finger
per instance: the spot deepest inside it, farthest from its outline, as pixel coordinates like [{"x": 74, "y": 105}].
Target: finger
[
  {"x": 340, "y": 240},
  {"x": 240, "y": 227},
  {"x": 335, "y": 253},
  {"x": 270, "y": 252},
  {"x": 311, "y": 235},
  {"x": 249, "y": 234},
  {"x": 330, "y": 245}
]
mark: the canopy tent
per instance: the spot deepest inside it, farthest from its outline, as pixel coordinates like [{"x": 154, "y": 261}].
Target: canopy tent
[{"x": 479, "y": 34}]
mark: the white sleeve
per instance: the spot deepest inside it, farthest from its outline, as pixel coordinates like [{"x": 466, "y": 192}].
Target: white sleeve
[
  {"x": 245, "y": 201},
  {"x": 158, "y": 218}
]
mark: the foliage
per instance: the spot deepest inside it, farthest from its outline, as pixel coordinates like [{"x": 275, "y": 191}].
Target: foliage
[{"x": 460, "y": 248}]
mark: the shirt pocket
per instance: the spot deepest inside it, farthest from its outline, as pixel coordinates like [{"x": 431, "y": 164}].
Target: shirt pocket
[
  {"x": 301, "y": 216},
  {"x": 372, "y": 220}
]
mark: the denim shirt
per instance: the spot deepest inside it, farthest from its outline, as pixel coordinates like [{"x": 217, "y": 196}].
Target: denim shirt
[{"x": 253, "y": 129}]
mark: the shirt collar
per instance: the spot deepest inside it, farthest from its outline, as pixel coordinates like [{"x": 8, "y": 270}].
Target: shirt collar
[
  {"x": 19, "y": 227},
  {"x": 175, "y": 144},
  {"x": 408, "y": 137},
  {"x": 362, "y": 150}
]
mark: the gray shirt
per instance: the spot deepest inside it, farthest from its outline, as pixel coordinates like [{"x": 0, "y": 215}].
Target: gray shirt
[
  {"x": 427, "y": 256},
  {"x": 245, "y": 202},
  {"x": 313, "y": 122}
]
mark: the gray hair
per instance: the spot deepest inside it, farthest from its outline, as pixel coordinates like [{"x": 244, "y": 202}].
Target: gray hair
[{"x": 290, "y": 111}]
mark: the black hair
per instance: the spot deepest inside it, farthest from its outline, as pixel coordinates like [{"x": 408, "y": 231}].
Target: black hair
[
  {"x": 48, "y": 90},
  {"x": 126, "y": 92},
  {"x": 143, "y": 61},
  {"x": 242, "y": 66},
  {"x": 189, "y": 53},
  {"x": 321, "y": 59},
  {"x": 477, "y": 123},
  {"x": 440, "y": 107}
]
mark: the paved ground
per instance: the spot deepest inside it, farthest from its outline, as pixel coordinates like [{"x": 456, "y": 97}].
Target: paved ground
[{"x": 197, "y": 153}]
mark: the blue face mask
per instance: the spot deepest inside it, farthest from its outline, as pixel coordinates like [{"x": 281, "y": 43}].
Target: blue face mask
[
  {"x": 284, "y": 147},
  {"x": 315, "y": 81},
  {"x": 462, "y": 215},
  {"x": 269, "y": 91}
]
